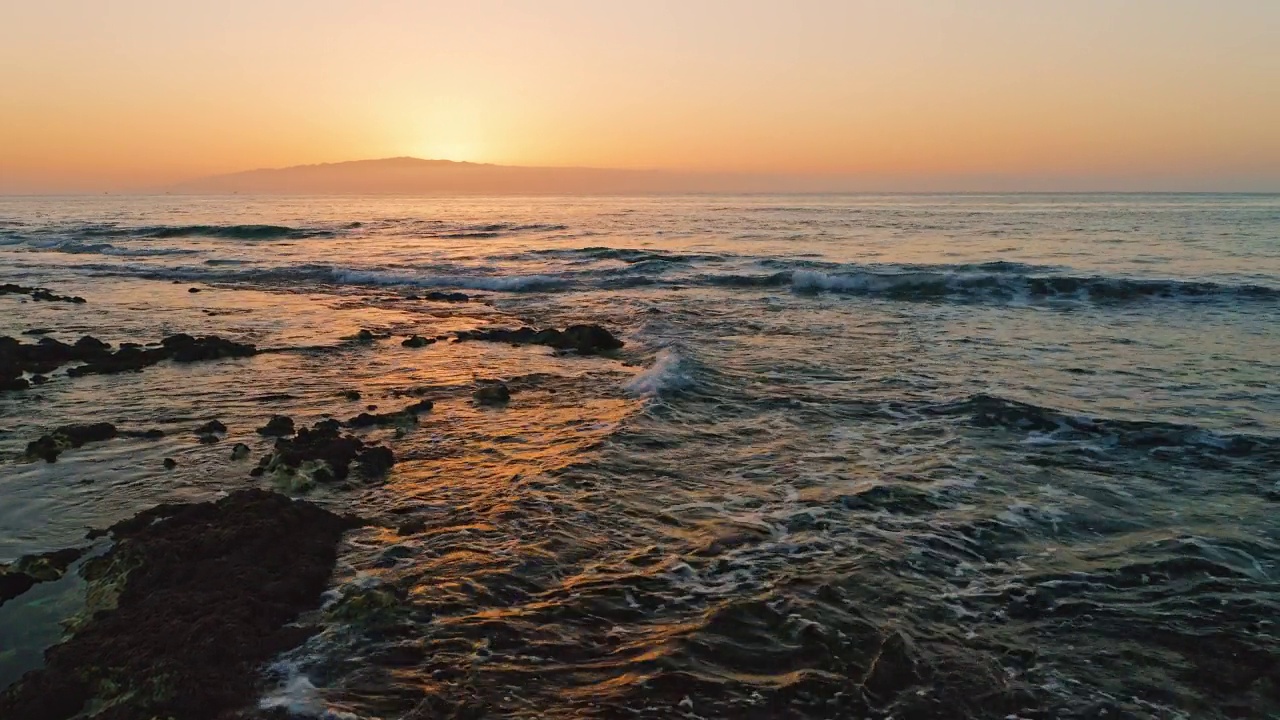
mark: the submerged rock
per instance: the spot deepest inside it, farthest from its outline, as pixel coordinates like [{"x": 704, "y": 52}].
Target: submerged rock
[
  {"x": 322, "y": 454},
  {"x": 277, "y": 426},
  {"x": 170, "y": 463},
  {"x": 446, "y": 296},
  {"x": 50, "y": 446},
  {"x": 185, "y": 348},
  {"x": 418, "y": 341},
  {"x": 213, "y": 426},
  {"x": 492, "y": 392},
  {"x": 38, "y": 293},
  {"x": 240, "y": 451},
  {"x": 407, "y": 416},
  {"x": 197, "y": 597},
  {"x": 29, "y": 570},
  {"x": 583, "y": 339}
]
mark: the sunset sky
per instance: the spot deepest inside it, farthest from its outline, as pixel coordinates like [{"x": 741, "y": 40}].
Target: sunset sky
[{"x": 1114, "y": 94}]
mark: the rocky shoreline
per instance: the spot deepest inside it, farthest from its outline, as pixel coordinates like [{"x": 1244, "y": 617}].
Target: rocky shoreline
[
  {"x": 191, "y": 601},
  {"x": 185, "y": 608}
]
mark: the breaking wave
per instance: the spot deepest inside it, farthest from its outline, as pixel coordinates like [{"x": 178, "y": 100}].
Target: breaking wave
[{"x": 229, "y": 232}]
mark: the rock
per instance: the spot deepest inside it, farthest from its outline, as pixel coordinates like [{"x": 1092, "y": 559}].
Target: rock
[
  {"x": 370, "y": 408},
  {"x": 38, "y": 293},
  {"x": 240, "y": 451},
  {"x": 447, "y": 296},
  {"x": 48, "y": 447},
  {"x": 365, "y": 336},
  {"x": 39, "y": 379},
  {"x": 204, "y": 596},
  {"x": 29, "y": 570},
  {"x": 170, "y": 463},
  {"x": 37, "y": 331},
  {"x": 91, "y": 344},
  {"x": 152, "y": 434},
  {"x": 352, "y": 395},
  {"x": 376, "y": 461},
  {"x": 407, "y": 416},
  {"x": 418, "y": 341},
  {"x": 213, "y": 426},
  {"x": 322, "y": 453},
  {"x": 208, "y": 439},
  {"x": 583, "y": 339},
  {"x": 411, "y": 527},
  {"x": 193, "y": 290},
  {"x": 184, "y": 348},
  {"x": 492, "y": 393},
  {"x": 14, "y": 384},
  {"x": 277, "y": 426}
]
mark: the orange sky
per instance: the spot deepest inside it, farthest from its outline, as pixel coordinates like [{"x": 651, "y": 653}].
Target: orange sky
[{"x": 110, "y": 95}]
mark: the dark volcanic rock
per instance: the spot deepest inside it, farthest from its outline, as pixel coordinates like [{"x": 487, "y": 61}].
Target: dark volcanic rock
[
  {"x": 39, "y": 379},
  {"x": 240, "y": 451},
  {"x": 322, "y": 453},
  {"x": 14, "y": 384},
  {"x": 447, "y": 296},
  {"x": 22, "y": 575},
  {"x": 492, "y": 393},
  {"x": 352, "y": 395},
  {"x": 37, "y": 293},
  {"x": 213, "y": 426},
  {"x": 37, "y": 331},
  {"x": 193, "y": 290},
  {"x": 184, "y": 348},
  {"x": 407, "y": 416},
  {"x": 376, "y": 461},
  {"x": 277, "y": 426},
  {"x": 48, "y": 447},
  {"x": 206, "y": 592},
  {"x": 583, "y": 339},
  {"x": 418, "y": 341},
  {"x": 170, "y": 463}
]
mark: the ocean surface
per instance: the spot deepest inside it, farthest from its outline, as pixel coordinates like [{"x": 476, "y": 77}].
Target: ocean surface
[{"x": 1004, "y": 456}]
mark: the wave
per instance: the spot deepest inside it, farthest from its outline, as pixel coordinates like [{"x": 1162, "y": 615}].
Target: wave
[
  {"x": 509, "y": 283},
  {"x": 669, "y": 373},
  {"x": 109, "y": 249},
  {"x": 229, "y": 232},
  {"x": 1051, "y": 426},
  {"x": 1004, "y": 285}
]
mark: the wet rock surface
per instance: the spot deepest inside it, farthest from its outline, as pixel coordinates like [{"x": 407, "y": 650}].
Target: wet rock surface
[
  {"x": 492, "y": 392},
  {"x": 206, "y": 593},
  {"x": 49, "y": 354},
  {"x": 583, "y": 339},
  {"x": 50, "y": 446},
  {"x": 407, "y": 416},
  {"x": 38, "y": 293},
  {"x": 27, "y": 571},
  {"x": 418, "y": 341},
  {"x": 322, "y": 453},
  {"x": 277, "y": 426}
]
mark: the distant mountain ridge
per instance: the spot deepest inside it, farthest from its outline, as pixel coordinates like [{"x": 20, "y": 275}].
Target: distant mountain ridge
[{"x": 407, "y": 175}]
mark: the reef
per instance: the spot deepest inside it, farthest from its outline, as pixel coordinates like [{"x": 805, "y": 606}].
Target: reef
[
  {"x": 38, "y": 293},
  {"x": 187, "y": 606},
  {"x": 583, "y": 339}
]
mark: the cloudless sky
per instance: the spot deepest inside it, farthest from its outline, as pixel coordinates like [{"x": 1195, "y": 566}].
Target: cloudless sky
[{"x": 1123, "y": 94}]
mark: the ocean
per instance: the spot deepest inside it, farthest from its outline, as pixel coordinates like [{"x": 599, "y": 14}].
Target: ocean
[{"x": 861, "y": 456}]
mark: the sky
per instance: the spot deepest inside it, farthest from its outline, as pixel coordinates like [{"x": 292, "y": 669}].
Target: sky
[{"x": 965, "y": 95}]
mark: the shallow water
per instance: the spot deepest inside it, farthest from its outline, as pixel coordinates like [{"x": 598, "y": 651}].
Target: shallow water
[{"x": 885, "y": 456}]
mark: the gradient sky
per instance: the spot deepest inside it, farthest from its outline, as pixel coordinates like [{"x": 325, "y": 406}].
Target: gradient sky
[{"x": 1113, "y": 94}]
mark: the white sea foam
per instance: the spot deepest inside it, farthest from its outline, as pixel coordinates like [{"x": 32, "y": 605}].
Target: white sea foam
[
  {"x": 508, "y": 283},
  {"x": 299, "y": 696},
  {"x": 669, "y": 372}
]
